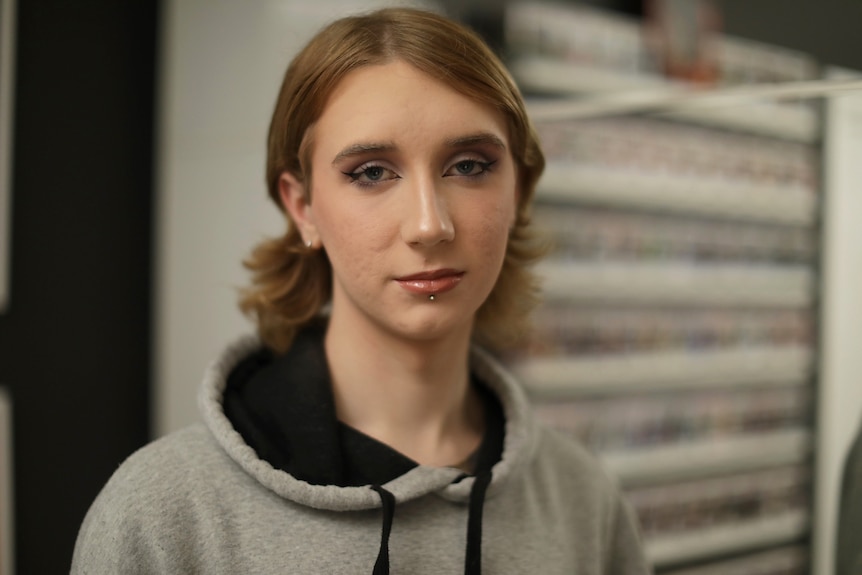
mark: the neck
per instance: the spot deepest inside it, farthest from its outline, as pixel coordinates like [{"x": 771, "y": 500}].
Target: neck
[{"x": 415, "y": 396}]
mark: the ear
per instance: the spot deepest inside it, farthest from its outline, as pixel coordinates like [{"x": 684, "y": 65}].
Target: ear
[{"x": 294, "y": 198}]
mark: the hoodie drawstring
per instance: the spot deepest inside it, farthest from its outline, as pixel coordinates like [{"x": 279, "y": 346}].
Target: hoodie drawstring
[
  {"x": 473, "y": 558},
  {"x": 381, "y": 566}
]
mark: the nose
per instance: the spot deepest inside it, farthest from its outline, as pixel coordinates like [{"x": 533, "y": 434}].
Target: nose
[{"x": 427, "y": 220}]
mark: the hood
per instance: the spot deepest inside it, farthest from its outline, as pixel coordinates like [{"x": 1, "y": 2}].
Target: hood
[{"x": 449, "y": 483}]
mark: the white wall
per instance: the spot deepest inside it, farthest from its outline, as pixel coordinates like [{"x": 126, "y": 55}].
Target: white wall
[
  {"x": 222, "y": 62},
  {"x": 840, "y": 399}
]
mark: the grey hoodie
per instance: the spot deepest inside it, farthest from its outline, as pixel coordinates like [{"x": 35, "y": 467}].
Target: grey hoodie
[{"x": 202, "y": 501}]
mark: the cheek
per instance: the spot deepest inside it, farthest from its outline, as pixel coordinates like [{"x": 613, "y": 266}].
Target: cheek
[
  {"x": 491, "y": 228},
  {"x": 351, "y": 238}
]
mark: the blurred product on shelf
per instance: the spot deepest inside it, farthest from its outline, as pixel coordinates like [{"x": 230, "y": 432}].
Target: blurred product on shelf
[
  {"x": 603, "y": 233},
  {"x": 651, "y": 148},
  {"x": 607, "y": 425},
  {"x": 683, "y": 35},
  {"x": 707, "y": 503},
  {"x": 596, "y": 330}
]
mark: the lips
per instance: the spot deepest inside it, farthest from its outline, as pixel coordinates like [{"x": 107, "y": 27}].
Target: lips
[{"x": 431, "y": 282}]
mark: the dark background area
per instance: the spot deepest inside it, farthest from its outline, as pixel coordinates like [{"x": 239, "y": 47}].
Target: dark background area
[
  {"x": 75, "y": 341},
  {"x": 829, "y": 30}
]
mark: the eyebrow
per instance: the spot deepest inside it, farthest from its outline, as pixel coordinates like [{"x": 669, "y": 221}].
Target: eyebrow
[
  {"x": 363, "y": 148},
  {"x": 481, "y": 138}
]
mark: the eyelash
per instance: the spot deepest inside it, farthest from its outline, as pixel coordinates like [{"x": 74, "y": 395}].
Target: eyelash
[
  {"x": 484, "y": 165},
  {"x": 365, "y": 168},
  {"x": 363, "y": 171}
]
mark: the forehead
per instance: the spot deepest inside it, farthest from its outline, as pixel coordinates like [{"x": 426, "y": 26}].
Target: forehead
[{"x": 398, "y": 102}]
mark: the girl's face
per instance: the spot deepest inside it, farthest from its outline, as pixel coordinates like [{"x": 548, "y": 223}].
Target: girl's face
[{"x": 414, "y": 194}]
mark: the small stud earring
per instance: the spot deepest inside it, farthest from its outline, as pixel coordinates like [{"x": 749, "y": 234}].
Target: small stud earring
[{"x": 308, "y": 244}]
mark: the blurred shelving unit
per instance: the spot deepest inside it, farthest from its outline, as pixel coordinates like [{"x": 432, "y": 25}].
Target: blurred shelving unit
[
  {"x": 791, "y": 559},
  {"x": 677, "y": 337}
]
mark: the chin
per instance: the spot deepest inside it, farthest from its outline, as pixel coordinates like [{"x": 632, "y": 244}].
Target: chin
[{"x": 433, "y": 329}]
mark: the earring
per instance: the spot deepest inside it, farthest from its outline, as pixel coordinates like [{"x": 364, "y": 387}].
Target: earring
[{"x": 308, "y": 244}]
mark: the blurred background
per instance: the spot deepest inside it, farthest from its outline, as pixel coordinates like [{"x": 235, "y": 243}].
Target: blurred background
[{"x": 701, "y": 326}]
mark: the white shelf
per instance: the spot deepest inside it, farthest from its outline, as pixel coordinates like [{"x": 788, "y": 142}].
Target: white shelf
[
  {"x": 548, "y": 75},
  {"x": 791, "y": 559},
  {"x": 677, "y": 284},
  {"x": 678, "y": 194},
  {"x": 571, "y": 377},
  {"x": 708, "y": 457},
  {"x": 777, "y": 120},
  {"x": 704, "y": 543}
]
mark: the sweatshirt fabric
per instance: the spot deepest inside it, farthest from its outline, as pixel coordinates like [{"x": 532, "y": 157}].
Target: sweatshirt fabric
[{"x": 203, "y": 500}]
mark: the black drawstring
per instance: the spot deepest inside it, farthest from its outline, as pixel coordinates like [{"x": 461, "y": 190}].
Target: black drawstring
[
  {"x": 381, "y": 566},
  {"x": 473, "y": 561}
]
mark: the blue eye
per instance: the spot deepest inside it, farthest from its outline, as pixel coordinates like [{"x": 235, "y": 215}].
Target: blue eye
[
  {"x": 469, "y": 168},
  {"x": 369, "y": 175},
  {"x": 374, "y": 173},
  {"x": 466, "y": 167}
]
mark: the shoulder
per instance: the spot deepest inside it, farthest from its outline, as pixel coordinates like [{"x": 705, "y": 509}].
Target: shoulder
[
  {"x": 177, "y": 461},
  {"x": 184, "y": 464},
  {"x": 574, "y": 479},
  {"x": 563, "y": 455},
  {"x": 591, "y": 500},
  {"x": 150, "y": 502}
]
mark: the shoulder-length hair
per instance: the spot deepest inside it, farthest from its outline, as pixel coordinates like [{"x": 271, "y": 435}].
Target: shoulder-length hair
[{"x": 291, "y": 284}]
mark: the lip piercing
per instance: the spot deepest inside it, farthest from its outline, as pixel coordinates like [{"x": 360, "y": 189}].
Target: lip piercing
[{"x": 431, "y": 297}]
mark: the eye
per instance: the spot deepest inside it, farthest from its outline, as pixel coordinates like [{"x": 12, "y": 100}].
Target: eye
[
  {"x": 370, "y": 174},
  {"x": 469, "y": 168}
]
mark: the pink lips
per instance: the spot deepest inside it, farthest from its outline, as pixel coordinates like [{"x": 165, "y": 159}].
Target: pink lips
[{"x": 431, "y": 282}]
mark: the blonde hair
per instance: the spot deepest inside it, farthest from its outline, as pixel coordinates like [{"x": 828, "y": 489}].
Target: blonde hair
[{"x": 291, "y": 284}]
